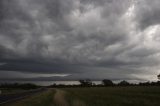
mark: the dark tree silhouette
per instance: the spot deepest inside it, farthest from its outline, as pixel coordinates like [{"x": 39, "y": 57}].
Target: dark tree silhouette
[
  {"x": 107, "y": 82},
  {"x": 86, "y": 82},
  {"x": 158, "y": 76},
  {"x": 124, "y": 83}
]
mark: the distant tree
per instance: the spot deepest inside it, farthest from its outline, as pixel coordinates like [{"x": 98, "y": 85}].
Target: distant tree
[
  {"x": 53, "y": 85},
  {"x": 124, "y": 83},
  {"x": 86, "y": 82},
  {"x": 107, "y": 82},
  {"x": 145, "y": 83},
  {"x": 158, "y": 76}
]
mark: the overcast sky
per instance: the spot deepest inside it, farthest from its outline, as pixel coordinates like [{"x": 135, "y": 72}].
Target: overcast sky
[{"x": 75, "y": 39}]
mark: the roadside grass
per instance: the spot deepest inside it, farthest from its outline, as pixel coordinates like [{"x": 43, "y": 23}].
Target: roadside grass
[
  {"x": 114, "y": 96},
  {"x": 73, "y": 99},
  {"x": 6, "y": 91},
  {"x": 43, "y": 99},
  {"x": 95, "y": 96}
]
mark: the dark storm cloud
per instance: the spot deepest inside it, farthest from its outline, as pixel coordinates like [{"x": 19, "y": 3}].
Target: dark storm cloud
[
  {"x": 148, "y": 12},
  {"x": 39, "y": 67},
  {"x": 100, "y": 38}
]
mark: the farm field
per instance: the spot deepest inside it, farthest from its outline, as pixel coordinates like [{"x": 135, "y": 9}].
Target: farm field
[
  {"x": 115, "y": 96},
  {"x": 94, "y": 96}
]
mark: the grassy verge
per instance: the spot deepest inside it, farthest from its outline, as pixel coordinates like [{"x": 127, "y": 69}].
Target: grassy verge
[
  {"x": 96, "y": 96},
  {"x": 115, "y": 96},
  {"x": 42, "y": 99},
  {"x": 73, "y": 99},
  {"x": 6, "y": 91}
]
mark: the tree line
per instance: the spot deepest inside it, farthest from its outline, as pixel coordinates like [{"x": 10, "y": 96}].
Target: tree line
[
  {"x": 83, "y": 83},
  {"x": 108, "y": 82}
]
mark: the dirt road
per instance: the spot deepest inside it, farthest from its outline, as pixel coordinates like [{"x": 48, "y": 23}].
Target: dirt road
[{"x": 60, "y": 99}]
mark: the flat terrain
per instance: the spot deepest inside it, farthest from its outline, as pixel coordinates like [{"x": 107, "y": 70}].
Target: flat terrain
[
  {"x": 15, "y": 95},
  {"x": 11, "y": 91},
  {"x": 44, "y": 98},
  {"x": 95, "y": 96},
  {"x": 115, "y": 96}
]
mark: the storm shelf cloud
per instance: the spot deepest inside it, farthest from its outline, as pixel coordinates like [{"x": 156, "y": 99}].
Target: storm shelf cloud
[{"x": 73, "y": 39}]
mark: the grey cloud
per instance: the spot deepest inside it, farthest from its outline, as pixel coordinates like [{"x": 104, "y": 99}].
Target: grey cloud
[
  {"x": 79, "y": 36},
  {"x": 148, "y": 13}
]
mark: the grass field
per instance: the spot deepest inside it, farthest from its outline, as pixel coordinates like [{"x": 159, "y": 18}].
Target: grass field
[
  {"x": 42, "y": 99},
  {"x": 115, "y": 96},
  {"x": 96, "y": 96}
]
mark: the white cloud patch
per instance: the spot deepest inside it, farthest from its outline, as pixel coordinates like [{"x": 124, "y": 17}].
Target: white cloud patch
[{"x": 16, "y": 74}]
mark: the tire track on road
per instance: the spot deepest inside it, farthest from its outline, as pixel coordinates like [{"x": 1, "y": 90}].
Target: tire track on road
[{"x": 59, "y": 98}]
